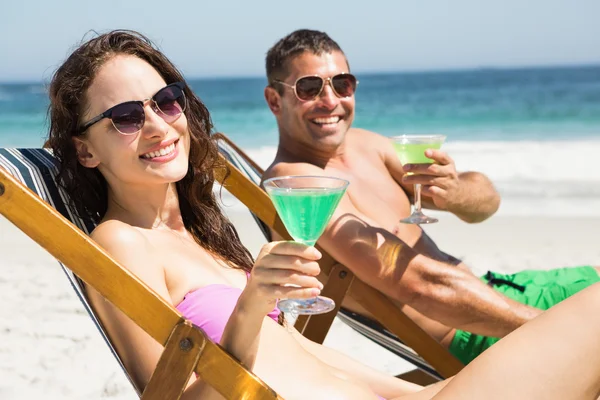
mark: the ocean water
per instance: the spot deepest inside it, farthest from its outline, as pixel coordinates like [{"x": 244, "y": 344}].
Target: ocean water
[{"x": 535, "y": 132}]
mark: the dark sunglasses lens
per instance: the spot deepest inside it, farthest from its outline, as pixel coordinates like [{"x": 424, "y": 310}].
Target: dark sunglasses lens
[
  {"x": 128, "y": 118},
  {"x": 344, "y": 84},
  {"x": 309, "y": 87},
  {"x": 171, "y": 102}
]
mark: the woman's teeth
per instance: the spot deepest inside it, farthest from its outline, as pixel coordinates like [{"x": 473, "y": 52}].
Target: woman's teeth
[{"x": 162, "y": 152}]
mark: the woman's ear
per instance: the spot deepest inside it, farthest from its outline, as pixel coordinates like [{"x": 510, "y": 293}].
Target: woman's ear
[
  {"x": 273, "y": 100},
  {"x": 84, "y": 154}
]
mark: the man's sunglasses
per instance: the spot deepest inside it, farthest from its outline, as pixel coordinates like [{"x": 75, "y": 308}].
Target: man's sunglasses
[
  {"x": 129, "y": 117},
  {"x": 310, "y": 87}
]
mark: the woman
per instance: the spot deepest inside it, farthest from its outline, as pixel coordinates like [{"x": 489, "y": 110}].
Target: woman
[{"x": 135, "y": 154}]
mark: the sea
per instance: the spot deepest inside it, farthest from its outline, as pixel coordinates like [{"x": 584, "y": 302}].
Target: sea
[{"x": 535, "y": 132}]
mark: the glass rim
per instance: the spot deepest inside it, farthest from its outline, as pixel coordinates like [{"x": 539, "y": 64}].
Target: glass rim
[
  {"x": 425, "y": 138},
  {"x": 290, "y": 177}
]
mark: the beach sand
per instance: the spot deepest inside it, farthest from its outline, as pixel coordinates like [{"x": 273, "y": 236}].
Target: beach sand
[{"x": 49, "y": 347}]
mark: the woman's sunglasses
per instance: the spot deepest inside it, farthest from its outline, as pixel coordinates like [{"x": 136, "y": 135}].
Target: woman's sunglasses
[
  {"x": 129, "y": 117},
  {"x": 310, "y": 87}
]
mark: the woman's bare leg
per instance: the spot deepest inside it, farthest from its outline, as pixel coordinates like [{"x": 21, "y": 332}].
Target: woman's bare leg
[{"x": 555, "y": 356}]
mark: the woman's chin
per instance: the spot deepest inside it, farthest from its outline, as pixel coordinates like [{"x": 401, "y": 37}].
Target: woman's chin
[
  {"x": 176, "y": 175},
  {"x": 167, "y": 175}
]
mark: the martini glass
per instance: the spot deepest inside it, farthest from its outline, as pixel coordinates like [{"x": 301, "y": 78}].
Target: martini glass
[
  {"x": 411, "y": 150},
  {"x": 305, "y": 204}
]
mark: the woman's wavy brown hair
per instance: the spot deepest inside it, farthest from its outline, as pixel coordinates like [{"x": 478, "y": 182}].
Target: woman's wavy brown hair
[{"x": 87, "y": 187}]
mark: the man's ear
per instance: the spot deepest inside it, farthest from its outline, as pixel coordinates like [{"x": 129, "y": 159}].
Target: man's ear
[
  {"x": 273, "y": 100},
  {"x": 84, "y": 155}
]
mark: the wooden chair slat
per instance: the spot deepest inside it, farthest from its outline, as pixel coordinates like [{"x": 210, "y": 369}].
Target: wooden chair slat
[
  {"x": 316, "y": 327},
  {"x": 176, "y": 364}
]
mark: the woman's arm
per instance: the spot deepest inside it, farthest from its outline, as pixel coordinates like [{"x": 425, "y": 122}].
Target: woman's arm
[
  {"x": 244, "y": 347},
  {"x": 278, "y": 265}
]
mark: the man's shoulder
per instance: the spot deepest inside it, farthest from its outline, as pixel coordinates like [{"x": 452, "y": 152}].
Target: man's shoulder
[
  {"x": 360, "y": 137},
  {"x": 367, "y": 143},
  {"x": 284, "y": 168}
]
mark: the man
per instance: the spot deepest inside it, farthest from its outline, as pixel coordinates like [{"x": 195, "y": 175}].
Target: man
[{"x": 311, "y": 94}]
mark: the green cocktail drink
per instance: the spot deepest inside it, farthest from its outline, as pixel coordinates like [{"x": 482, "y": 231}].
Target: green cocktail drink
[
  {"x": 306, "y": 212},
  {"x": 414, "y": 153},
  {"x": 411, "y": 150},
  {"x": 305, "y": 204}
]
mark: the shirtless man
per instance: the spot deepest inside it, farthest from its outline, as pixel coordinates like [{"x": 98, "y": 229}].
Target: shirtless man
[{"x": 311, "y": 94}]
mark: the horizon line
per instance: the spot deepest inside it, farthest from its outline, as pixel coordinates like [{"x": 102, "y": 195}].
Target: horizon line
[{"x": 376, "y": 71}]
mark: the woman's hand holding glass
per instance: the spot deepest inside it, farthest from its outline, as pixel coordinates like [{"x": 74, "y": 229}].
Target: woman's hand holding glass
[{"x": 282, "y": 270}]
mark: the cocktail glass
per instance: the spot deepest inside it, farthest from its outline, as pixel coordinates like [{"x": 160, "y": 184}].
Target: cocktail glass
[
  {"x": 411, "y": 150},
  {"x": 305, "y": 204}
]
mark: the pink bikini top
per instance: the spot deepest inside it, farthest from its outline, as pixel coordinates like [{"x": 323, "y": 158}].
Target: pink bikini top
[{"x": 210, "y": 307}]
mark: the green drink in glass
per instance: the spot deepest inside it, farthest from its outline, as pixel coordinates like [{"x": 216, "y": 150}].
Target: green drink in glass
[
  {"x": 411, "y": 150},
  {"x": 305, "y": 205}
]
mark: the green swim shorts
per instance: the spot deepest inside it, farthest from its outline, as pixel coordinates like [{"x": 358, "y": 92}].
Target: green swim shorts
[{"x": 540, "y": 289}]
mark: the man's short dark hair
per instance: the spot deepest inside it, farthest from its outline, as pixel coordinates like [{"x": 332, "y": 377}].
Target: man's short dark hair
[{"x": 294, "y": 44}]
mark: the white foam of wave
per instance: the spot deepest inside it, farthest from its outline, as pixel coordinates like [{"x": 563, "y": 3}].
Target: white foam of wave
[
  {"x": 533, "y": 178},
  {"x": 549, "y": 161},
  {"x": 537, "y": 178}
]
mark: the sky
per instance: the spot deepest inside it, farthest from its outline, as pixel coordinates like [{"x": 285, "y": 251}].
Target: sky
[{"x": 230, "y": 38}]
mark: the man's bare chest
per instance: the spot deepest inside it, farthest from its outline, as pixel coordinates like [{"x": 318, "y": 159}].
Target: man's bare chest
[{"x": 374, "y": 192}]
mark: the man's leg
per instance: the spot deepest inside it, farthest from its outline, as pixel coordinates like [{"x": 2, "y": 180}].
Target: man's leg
[{"x": 537, "y": 288}]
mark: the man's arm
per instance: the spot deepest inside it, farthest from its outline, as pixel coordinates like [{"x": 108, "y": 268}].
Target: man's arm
[
  {"x": 478, "y": 201},
  {"x": 450, "y": 295},
  {"x": 470, "y": 196}
]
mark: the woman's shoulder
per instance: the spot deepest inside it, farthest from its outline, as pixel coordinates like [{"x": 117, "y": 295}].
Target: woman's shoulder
[
  {"x": 117, "y": 233},
  {"x": 126, "y": 244}
]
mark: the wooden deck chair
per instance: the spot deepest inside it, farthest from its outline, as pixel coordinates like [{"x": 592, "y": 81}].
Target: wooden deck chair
[
  {"x": 30, "y": 199},
  {"x": 391, "y": 328}
]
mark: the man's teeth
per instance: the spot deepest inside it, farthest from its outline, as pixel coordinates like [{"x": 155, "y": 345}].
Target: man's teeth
[
  {"x": 162, "y": 152},
  {"x": 329, "y": 120}
]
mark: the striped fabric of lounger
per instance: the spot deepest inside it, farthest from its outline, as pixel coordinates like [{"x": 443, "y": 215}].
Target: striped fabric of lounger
[
  {"x": 365, "y": 326},
  {"x": 37, "y": 170}
]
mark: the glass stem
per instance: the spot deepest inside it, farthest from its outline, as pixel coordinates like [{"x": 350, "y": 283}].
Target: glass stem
[
  {"x": 417, "y": 198},
  {"x": 291, "y": 318}
]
